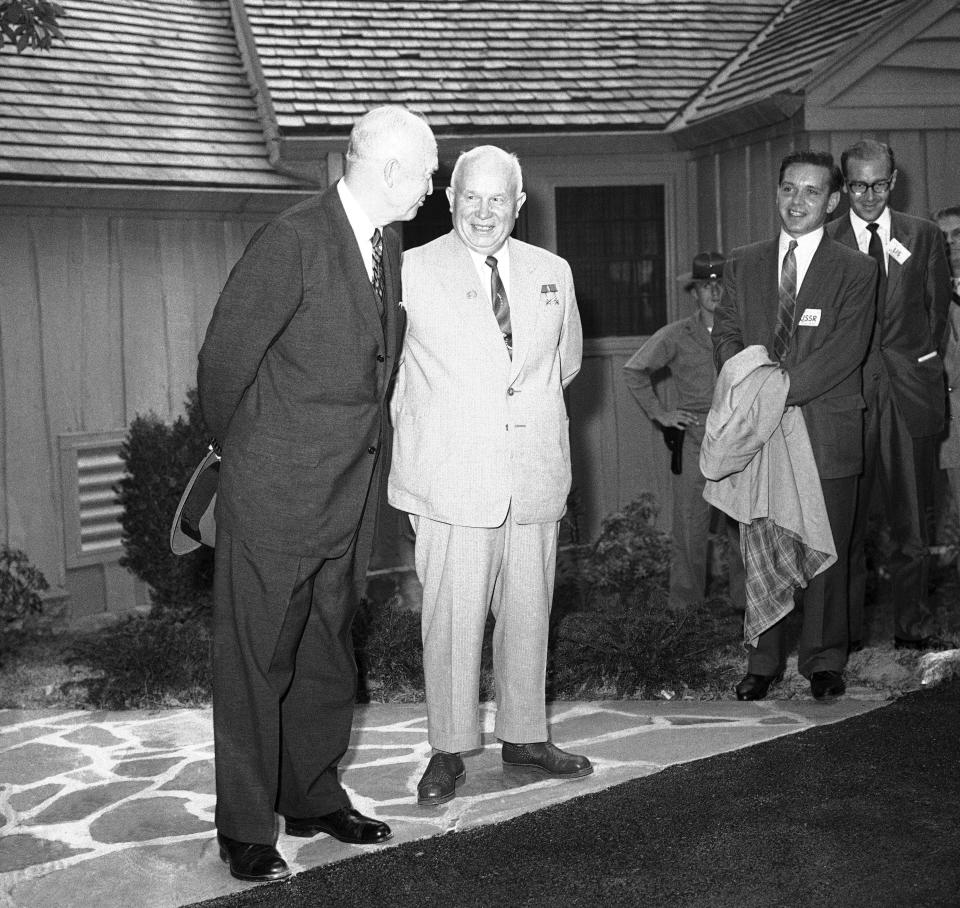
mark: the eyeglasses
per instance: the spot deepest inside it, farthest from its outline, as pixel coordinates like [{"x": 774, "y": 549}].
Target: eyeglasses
[{"x": 880, "y": 187}]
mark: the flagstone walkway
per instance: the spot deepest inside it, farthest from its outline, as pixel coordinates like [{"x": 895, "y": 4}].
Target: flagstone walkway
[{"x": 116, "y": 809}]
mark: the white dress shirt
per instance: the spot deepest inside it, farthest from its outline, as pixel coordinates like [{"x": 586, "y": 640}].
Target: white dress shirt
[
  {"x": 362, "y": 226},
  {"x": 806, "y": 247},
  {"x": 502, "y": 256},
  {"x": 863, "y": 235}
]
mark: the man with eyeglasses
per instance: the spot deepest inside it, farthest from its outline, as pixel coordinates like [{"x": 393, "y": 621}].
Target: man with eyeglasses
[
  {"x": 685, "y": 348},
  {"x": 902, "y": 386}
]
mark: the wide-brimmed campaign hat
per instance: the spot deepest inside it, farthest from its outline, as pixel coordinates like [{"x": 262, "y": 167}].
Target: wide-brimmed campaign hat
[
  {"x": 193, "y": 523},
  {"x": 707, "y": 266}
]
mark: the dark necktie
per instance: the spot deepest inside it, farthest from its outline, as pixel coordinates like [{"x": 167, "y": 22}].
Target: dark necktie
[
  {"x": 377, "y": 242},
  {"x": 501, "y": 308},
  {"x": 875, "y": 249},
  {"x": 787, "y": 308}
]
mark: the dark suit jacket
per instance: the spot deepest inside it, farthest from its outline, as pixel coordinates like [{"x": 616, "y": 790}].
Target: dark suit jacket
[
  {"x": 824, "y": 360},
  {"x": 294, "y": 377},
  {"x": 911, "y": 321}
]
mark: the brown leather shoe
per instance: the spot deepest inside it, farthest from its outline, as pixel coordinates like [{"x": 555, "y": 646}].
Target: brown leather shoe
[
  {"x": 252, "y": 861},
  {"x": 346, "y": 824},
  {"x": 546, "y": 758},
  {"x": 439, "y": 783}
]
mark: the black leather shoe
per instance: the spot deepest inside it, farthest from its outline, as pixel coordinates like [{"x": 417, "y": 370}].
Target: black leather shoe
[
  {"x": 755, "y": 687},
  {"x": 346, "y": 824},
  {"x": 546, "y": 758},
  {"x": 826, "y": 685},
  {"x": 252, "y": 861},
  {"x": 439, "y": 783},
  {"x": 933, "y": 643}
]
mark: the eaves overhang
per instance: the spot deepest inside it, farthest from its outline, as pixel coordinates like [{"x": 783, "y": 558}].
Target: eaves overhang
[{"x": 780, "y": 107}]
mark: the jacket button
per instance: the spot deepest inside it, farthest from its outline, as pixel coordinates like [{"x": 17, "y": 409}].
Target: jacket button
[
  {"x": 371, "y": 450},
  {"x": 380, "y": 357},
  {"x": 510, "y": 391}
]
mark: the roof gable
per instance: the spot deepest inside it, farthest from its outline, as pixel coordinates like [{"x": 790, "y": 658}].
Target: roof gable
[
  {"x": 906, "y": 75},
  {"x": 154, "y": 92},
  {"x": 781, "y": 60}
]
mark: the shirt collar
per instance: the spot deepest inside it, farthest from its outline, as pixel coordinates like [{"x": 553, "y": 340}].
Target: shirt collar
[
  {"x": 503, "y": 264},
  {"x": 805, "y": 244},
  {"x": 860, "y": 225},
  {"x": 362, "y": 226}
]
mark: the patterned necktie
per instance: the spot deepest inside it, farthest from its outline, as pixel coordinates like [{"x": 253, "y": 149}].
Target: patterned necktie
[
  {"x": 788, "y": 304},
  {"x": 875, "y": 249},
  {"x": 501, "y": 308},
  {"x": 377, "y": 242}
]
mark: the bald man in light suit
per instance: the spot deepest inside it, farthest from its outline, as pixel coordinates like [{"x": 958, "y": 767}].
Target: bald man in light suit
[{"x": 482, "y": 465}]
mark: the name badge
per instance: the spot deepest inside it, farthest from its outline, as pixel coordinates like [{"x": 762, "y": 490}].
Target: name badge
[
  {"x": 810, "y": 318},
  {"x": 897, "y": 251}
]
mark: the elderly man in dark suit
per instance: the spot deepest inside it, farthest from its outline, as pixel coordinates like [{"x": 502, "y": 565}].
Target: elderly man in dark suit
[
  {"x": 294, "y": 378},
  {"x": 810, "y": 302},
  {"x": 902, "y": 385}
]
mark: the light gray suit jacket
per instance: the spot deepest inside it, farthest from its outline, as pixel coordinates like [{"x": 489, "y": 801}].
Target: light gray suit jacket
[{"x": 474, "y": 431}]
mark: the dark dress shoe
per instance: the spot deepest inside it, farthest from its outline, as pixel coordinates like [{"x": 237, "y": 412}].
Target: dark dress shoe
[
  {"x": 546, "y": 758},
  {"x": 933, "y": 643},
  {"x": 755, "y": 687},
  {"x": 252, "y": 861},
  {"x": 439, "y": 783},
  {"x": 346, "y": 824},
  {"x": 826, "y": 685}
]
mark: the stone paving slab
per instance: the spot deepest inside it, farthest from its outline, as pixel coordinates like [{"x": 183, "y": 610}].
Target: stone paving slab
[{"x": 116, "y": 809}]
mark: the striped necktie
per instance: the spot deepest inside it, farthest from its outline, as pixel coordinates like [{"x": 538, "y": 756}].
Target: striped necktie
[
  {"x": 377, "y": 242},
  {"x": 501, "y": 308},
  {"x": 786, "y": 310}
]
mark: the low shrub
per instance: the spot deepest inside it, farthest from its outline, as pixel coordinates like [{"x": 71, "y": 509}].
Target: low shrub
[
  {"x": 147, "y": 662},
  {"x": 20, "y": 587},
  {"x": 389, "y": 653},
  {"x": 630, "y": 552},
  {"x": 159, "y": 460},
  {"x": 635, "y": 646}
]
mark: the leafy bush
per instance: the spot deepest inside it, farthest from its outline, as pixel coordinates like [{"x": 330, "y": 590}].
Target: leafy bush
[
  {"x": 635, "y": 646},
  {"x": 146, "y": 662},
  {"x": 159, "y": 460},
  {"x": 389, "y": 654},
  {"x": 20, "y": 587},
  {"x": 630, "y": 552}
]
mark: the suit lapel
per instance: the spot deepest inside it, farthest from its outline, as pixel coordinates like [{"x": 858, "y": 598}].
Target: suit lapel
[
  {"x": 525, "y": 305},
  {"x": 395, "y": 317},
  {"x": 462, "y": 286},
  {"x": 767, "y": 280},
  {"x": 817, "y": 273},
  {"x": 358, "y": 282},
  {"x": 899, "y": 230}
]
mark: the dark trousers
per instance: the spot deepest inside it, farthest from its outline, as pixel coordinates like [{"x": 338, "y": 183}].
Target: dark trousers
[
  {"x": 691, "y": 534},
  {"x": 823, "y": 635},
  {"x": 284, "y": 684},
  {"x": 903, "y": 471}
]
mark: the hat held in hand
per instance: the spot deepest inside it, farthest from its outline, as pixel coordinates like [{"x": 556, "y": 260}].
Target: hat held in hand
[{"x": 193, "y": 523}]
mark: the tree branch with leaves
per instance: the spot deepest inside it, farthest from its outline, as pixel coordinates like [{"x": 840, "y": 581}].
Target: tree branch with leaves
[{"x": 29, "y": 23}]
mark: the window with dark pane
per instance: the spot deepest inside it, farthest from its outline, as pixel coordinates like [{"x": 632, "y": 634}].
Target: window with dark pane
[{"x": 613, "y": 238}]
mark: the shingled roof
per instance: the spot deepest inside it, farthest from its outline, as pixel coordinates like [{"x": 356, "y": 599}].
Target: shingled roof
[
  {"x": 138, "y": 93},
  {"x": 195, "y": 92},
  {"x": 522, "y": 65},
  {"x": 789, "y": 51}
]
